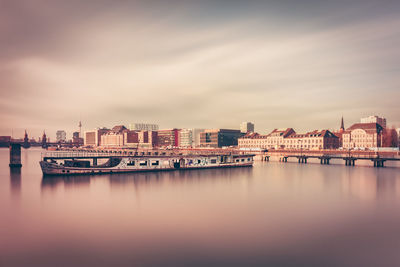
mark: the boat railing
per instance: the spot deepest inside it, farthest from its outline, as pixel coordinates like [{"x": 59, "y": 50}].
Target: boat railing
[{"x": 64, "y": 154}]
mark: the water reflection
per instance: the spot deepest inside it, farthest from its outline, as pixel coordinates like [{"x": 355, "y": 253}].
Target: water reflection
[
  {"x": 276, "y": 214},
  {"x": 15, "y": 181},
  {"x": 50, "y": 183},
  {"x": 147, "y": 178}
]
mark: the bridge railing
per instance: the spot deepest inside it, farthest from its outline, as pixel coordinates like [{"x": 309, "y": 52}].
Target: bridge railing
[{"x": 336, "y": 153}]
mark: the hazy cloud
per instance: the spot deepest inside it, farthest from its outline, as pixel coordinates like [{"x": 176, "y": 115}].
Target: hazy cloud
[{"x": 205, "y": 64}]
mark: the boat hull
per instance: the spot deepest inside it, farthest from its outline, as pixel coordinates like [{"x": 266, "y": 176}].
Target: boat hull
[{"x": 51, "y": 169}]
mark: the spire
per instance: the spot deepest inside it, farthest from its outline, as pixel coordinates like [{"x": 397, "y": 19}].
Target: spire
[
  {"x": 80, "y": 127},
  {"x": 342, "y": 125}
]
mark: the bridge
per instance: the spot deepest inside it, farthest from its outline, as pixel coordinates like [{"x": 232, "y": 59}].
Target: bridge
[{"x": 325, "y": 156}]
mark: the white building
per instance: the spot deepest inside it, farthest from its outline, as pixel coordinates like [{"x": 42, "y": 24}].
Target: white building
[
  {"x": 246, "y": 127},
  {"x": 190, "y": 137},
  {"x": 186, "y": 138},
  {"x": 374, "y": 119},
  {"x": 143, "y": 127},
  {"x": 93, "y": 138},
  {"x": 61, "y": 136}
]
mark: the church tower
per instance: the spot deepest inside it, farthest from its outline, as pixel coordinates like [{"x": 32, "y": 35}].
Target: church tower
[{"x": 342, "y": 125}]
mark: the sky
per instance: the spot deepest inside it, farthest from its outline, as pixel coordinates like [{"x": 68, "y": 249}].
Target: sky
[{"x": 203, "y": 64}]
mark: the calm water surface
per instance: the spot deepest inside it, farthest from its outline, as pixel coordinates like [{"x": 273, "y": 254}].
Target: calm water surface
[{"x": 274, "y": 214}]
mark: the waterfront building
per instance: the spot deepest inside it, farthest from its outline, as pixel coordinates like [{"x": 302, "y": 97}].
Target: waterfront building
[
  {"x": 275, "y": 139},
  {"x": 390, "y": 138},
  {"x": 168, "y": 138},
  {"x": 76, "y": 139},
  {"x": 115, "y": 137},
  {"x": 315, "y": 140},
  {"x": 219, "y": 137},
  {"x": 112, "y": 139},
  {"x": 374, "y": 119},
  {"x": 190, "y": 137},
  {"x": 253, "y": 141},
  {"x": 140, "y": 139},
  {"x": 196, "y": 136},
  {"x": 93, "y": 138},
  {"x": 143, "y": 127},
  {"x": 61, "y": 136},
  {"x": 363, "y": 135},
  {"x": 339, "y": 133},
  {"x": 186, "y": 138},
  {"x": 246, "y": 127}
]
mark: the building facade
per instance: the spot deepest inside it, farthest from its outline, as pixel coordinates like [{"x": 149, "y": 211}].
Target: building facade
[
  {"x": 276, "y": 138},
  {"x": 363, "y": 135},
  {"x": 374, "y": 119},
  {"x": 168, "y": 138},
  {"x": 314, "y": 140},
  {"x": 219, "y": 138},
  {"x": 253, "y": 141},
  {"x": 61, "y": 136},
  {"x": 246, "y": 127},
  {"x": 112, "y": 139},
  {"x": 93, "y": 138},
  {"x": 190, "y": 137},
  {"x": 186, "y": 138},
  {"x": 143, "y": 127}
]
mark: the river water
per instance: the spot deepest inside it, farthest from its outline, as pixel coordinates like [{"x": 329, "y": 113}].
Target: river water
[{"x": 274, "y": 214}]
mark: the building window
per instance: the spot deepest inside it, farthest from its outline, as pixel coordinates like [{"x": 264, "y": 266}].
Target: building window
[{"x": 143, "y": 163}]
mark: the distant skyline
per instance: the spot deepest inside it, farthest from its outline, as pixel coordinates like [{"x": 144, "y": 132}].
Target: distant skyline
[{"x": 197, "y": 64}]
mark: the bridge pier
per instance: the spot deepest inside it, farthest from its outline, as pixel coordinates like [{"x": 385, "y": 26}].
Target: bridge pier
[
  {"x": 302, "y": 160},
  {"x": 325, "y": 161},
  {"x": 15, "y": 155},
  {"x": 379, "y": 163}
]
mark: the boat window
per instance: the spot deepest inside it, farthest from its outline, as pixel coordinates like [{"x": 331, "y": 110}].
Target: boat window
[
  {"x": 131, "y": 163},
  {"x": 154, "y": 163},
  {"x": 143, "y": 163},
  {"x": 248, "y": 159},
  {"x": 198, "y": 161},
  {"x": 242, "y": 160},
  {"x": 213, "y": 161},
  {"x": 237, "y": 160}
]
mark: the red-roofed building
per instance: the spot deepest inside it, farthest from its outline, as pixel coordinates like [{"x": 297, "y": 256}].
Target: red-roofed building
[
  {"x": 323, "y": 139},
  {"x": 363, "y": 135}
]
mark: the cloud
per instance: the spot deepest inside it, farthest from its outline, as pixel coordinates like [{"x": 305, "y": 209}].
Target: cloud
[{"x": 199, "y": 65}]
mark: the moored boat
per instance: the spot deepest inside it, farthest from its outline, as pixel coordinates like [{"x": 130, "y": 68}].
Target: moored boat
[{"x": 99, "y": 163}]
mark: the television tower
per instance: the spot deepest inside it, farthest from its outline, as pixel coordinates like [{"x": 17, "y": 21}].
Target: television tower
[{"x": 80, "y": 128}]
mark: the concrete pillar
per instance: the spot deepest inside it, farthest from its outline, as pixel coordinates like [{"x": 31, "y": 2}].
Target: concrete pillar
[
  {"x": 15, "y": 155},
  {"x": 374, "y": 163},
  {"x": 354, "y": 162},
  {"x": 321, "y": 161},
  {"x": 299, "y": 160},
  {"x": 327, "y": 161}
]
